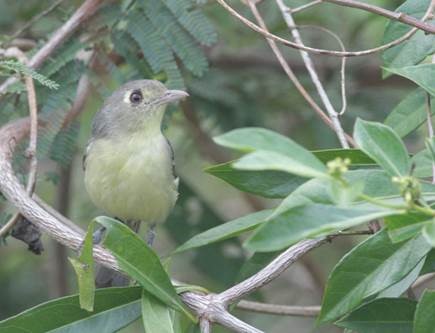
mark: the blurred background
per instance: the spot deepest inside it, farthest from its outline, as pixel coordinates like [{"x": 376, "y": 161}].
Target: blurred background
[{"x": 243, "y": 85}]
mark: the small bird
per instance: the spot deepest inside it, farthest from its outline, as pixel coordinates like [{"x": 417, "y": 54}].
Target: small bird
[{"x": 129, "y": 163}]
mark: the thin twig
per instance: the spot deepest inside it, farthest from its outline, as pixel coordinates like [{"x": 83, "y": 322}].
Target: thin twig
[
  {"x": 342, "y": 66},
  {"x": 86, "y": 10},
  {"x": 31, "y": 149},
  {"x": 35, "y": 19},
  {"x": 282, "y": 310},
  {"x": 286, "y": 42},
  {"x": 306, "y": 6},
  {"x": 291, "y": 75},
  {"x": 333, "y": 115},
  {"x": 397, "y": 16},
  {"x": 430, "y": 128}
]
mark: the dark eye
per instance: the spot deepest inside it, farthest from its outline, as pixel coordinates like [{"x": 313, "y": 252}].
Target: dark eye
[{"x": 136, "y": 97}]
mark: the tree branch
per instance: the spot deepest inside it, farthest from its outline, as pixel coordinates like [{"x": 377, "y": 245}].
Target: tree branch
[
  {"x": 31, "y": 149},
  {"x": 291, "y": 75},
  {"x": 333, "y": 115},
  {"x": 396, "y": 16},
  {"x": 271, "y": 271},
  {"x": 282, "y": 310},
  {"x": 286, "y": 42}
]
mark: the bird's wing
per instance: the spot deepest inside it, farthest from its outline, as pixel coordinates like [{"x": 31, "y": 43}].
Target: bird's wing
[{"x": 88, "y": 147}]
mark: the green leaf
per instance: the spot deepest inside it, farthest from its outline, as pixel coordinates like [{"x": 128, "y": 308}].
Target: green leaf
[
  {"x": 251, "y": 139},
  {"x": 367, "y": 269},
  {"x": 114, "y": 309},
  {"x": 397, "y": 289},
  {"x": 429, "y": 263},
  {"x": 141, "y": 263},
  {"x": 356, "y": 156},
  {"x": 269, "y": 184},
  {"x": 383, "y": 145},
  {"x": 386, "y": 315},
  {"x": 416, "y": 48},
  {"x": 403, "y": 227},
  {"x": 226, "y": 230},
  {"x": 269, "y": 160},
  {"x": 84, "y": 268},
  {"x": 429, "y": 232},
  {"x": 410, "y": 113},
  {"x": 424, "y": 320},
  {"x": 156, "y": 316},
  {"x": 423, "y": 164},
  {"x": 423, "y": 75},
  {"x": 309, "y": 220}
]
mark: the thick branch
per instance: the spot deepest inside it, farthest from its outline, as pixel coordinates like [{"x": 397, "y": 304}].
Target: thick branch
[{"x": 271, "y": 271}]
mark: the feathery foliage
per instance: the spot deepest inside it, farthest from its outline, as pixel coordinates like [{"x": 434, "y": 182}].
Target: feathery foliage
[{"x": 20, "y": 68}]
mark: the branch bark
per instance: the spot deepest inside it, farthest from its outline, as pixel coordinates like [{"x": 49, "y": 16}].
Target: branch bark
[
  {"x": 333, "y": 115},
  {"x": 286, "y": 42},
  {"x": 396, "y": 16},
  {"x": 281, "y": 310}
]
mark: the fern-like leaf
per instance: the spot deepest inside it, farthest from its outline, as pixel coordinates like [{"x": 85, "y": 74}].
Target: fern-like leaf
[{"x": 20, "y": 68}]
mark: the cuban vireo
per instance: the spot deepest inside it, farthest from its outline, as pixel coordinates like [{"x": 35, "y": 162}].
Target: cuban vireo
[{"x": 129, "y": 170}]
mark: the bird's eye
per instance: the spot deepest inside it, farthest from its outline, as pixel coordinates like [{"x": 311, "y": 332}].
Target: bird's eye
[{"x": 136, "y": 97}]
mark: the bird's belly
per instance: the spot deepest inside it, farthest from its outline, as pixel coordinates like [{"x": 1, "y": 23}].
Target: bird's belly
[{"x": 132, "y": 180}]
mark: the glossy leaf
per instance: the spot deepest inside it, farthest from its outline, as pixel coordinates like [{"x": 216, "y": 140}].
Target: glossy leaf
[
  {"x": 423, "y": 164},
  {"x": 269, "y": 184},
  {"x": 309, "y": 220},
  {"x": 410, "y": 113},
  {"x": 227, "y": 230},
  {"x": 385, "y": 315},
  {"x": 356, "y": 156},
  {"x": 414, "y": 49},
  {"x": 367, "y": 269},
  {"x": 403, "y": 227},
  {"x": 114, "y": 308},
  {"x": 84, "y": 268},
  {"x": 424, "y": 321},
  {"x": 140, "y": 262},
  {"x": 269, "y": 160},
  {"x": 251, "y": 139},
  {"x": 399, "y": 288},
  {"x": 383, "y": 145},
  {"x": 428, "y": 232},
  {"x": 423, "y": 75},
  {"x": 156, "y": 316}
]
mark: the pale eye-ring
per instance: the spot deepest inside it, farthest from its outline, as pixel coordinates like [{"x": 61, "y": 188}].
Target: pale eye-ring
[{"x": 136, "y": 97}]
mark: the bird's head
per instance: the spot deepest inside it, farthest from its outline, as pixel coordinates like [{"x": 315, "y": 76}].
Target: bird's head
[{"x": 134, "y": 105}]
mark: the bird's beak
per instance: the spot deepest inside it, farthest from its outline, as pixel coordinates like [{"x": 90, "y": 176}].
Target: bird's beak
[{"x": 172, "y": 96}]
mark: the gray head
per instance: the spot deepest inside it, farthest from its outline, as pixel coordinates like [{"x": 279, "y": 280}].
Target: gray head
[{"x": 133, "y": 105}]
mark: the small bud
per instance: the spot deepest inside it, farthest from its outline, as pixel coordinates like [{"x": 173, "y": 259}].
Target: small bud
[
  {"x": 409, "y": 187},
  {"x": 338, "y": 166}
]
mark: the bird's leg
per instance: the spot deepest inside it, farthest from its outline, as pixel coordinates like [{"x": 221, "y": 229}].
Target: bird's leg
[
  {"x": 97, "y": 236},
  {"x": 151, "y": 234}
]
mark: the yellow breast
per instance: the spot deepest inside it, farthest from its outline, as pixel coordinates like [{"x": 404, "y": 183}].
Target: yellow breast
[{"x": 132, "y": 178}]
